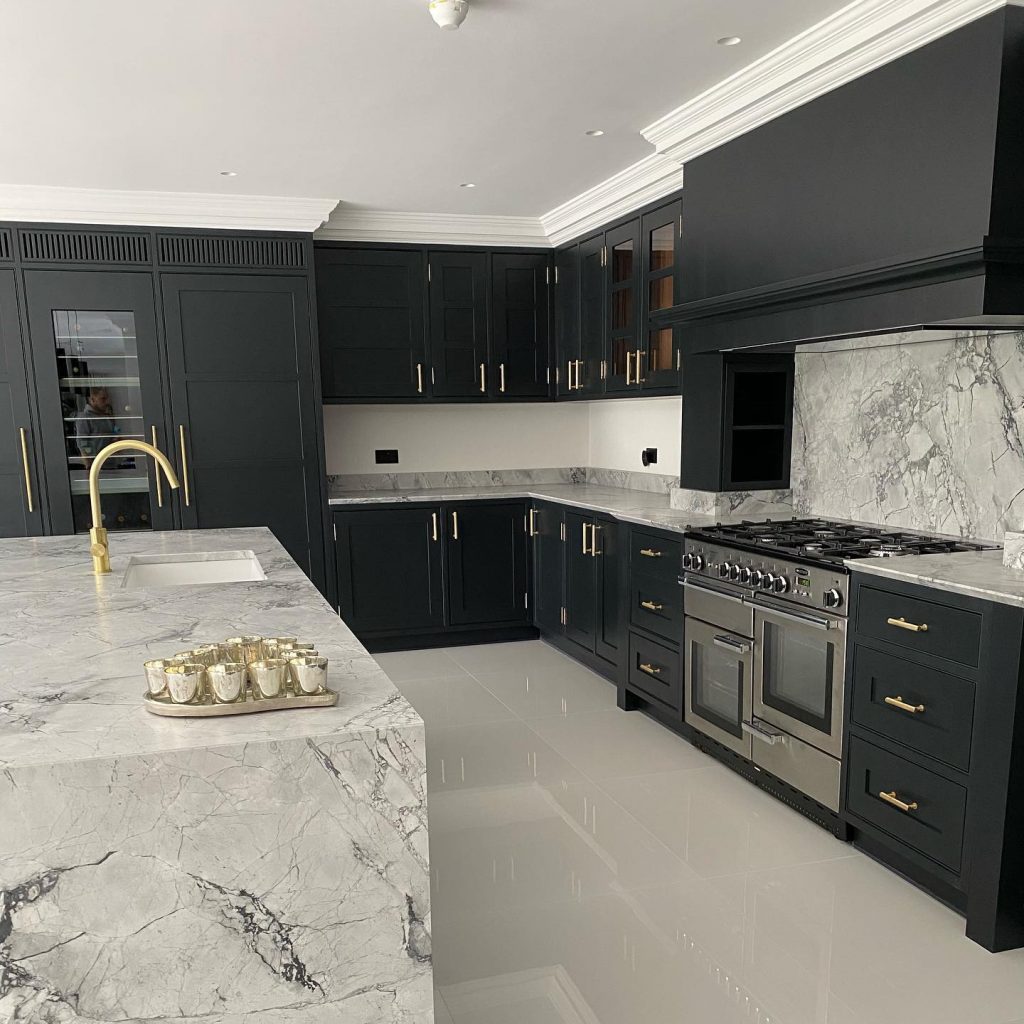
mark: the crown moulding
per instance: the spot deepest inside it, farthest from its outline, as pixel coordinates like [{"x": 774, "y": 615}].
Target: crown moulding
[
  {"x": 55, "y": 204},
  {"x": 354, "y": 224}
]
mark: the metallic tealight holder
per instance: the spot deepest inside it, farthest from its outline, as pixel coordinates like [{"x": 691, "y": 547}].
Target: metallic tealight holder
[
  {"x": 227, "y": 681},
  {"x": 308, "y": 674},
  {"x": 186, "y": 682}
]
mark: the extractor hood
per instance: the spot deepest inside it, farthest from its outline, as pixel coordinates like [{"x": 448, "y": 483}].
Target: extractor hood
[{"x": 893, "y": 202}]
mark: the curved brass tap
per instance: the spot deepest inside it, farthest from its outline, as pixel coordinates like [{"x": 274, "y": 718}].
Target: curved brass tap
[{"x": 98, "y": 545}]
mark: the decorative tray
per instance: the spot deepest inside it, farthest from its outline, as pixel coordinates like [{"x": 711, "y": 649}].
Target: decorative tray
[{"x": 165, "y": 706}]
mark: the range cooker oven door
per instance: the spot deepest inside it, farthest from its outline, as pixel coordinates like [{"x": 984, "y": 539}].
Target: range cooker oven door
[{"x": 719, "y": 683}]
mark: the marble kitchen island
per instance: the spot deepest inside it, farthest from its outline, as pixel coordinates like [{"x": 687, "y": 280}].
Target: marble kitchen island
[{"x": 268, "y": 867}]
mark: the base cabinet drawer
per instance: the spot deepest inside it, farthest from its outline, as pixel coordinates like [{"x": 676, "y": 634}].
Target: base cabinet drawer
[
  {"x": 925, "y": 627},
  {"x": 918, "y": 808},
  {"x": 656, "y": 605},
  {"x": 656, "y": 671},
  {"x": 655, "y": 555},
  {"x": 930, "y": 712}
]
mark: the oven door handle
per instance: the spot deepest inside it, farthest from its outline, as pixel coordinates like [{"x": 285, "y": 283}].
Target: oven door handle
[
  {"x": 814, "y": 621},
  {"x": 765, "y": 733},
  {"x": 705, "y": 589},
  {"x": 736, "y": 646}
]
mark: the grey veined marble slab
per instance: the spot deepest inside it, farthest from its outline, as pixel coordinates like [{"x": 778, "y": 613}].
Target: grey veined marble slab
[
  {"x": 260, "y": 868},
  {"x": 972, "y": 573}
]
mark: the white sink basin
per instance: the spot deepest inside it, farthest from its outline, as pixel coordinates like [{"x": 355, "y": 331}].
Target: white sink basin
[{"x": 190, "y": 569}]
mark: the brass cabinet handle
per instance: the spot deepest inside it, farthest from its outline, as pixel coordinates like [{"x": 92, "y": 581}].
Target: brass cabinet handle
[
  {"x": 483, "y": 378},
  {"x": 629, "y": 367},
  {"x": 579, "y": 366},
  {"x": 585, "y": 551},
  {"x": 159, "y": 485},
  {"x": 184, "y": 465},
  {"x": 28, "y": 475},
  {"x": 891, "y": 798},
  {"x": 899, "y": 702},
  {"x": 433, "y": 526},
  {"x": 568, "y": 373},
  {"x": 650, "y": 553},
  {"x": 419, "y": 378},
  {"x": 593, "y": 540},
  {"x": 901, "y": 623},
  {"x": 651, "y": 670},
  {"x": 639, "y": 379},
  {"x": 651, "y": 606},
  {"x": 501, "y": 374},
  {"x": 533, "y": 523},
  {"x": 455, "y": 525}
]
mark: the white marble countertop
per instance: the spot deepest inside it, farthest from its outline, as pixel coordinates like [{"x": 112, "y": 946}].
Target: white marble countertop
[
  {"x": 72, "y": 647},
  {"x": 972, "y": 573}
]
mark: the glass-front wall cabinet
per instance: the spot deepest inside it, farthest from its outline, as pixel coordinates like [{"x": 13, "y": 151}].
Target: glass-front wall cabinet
[
  {"x": 96, "y": 334},
  {"x": 661, "y": 234},
  {"x": 624, "y": 355}
]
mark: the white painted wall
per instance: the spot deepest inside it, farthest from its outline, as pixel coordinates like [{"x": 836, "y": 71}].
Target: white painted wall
[{"x": 435, "y": 438}]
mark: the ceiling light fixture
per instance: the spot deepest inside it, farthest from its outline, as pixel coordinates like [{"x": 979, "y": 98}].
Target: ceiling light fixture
[
  {"x": 449, "y": 14},
  {"x": 468, "y": 184},
  {"x": 729, "y": 41},
  {"x": 594, "y": 132},
  {"x": 229, "y": 174}
]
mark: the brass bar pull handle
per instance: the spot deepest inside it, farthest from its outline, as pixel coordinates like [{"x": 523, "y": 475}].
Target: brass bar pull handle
[
  {"x": 159, "y": 485},
  {"x": 650, "y": 553},
  {"x": 483, "y": 378},
  {"x": 651, "y": 670},
  {"x": 184, "y": 465},
  {"x": 433, "y": 526},
  {"x": 593, "y": 540},
  {"x": 533, "y": 522},
  {"x": 568, "y": 374},
  {"x": 501, "y": 374},
  {"x": 651, "y": 606},
  {"x": 24, "y": 465},
  {"x": 899, "y": 702},
  {"x": 579, "y": 366},
  {"x": 895, "y": 801},
  {"x": 901, "y": 623},
  {"x": 419, "y": 378},
  {"x": 585, "y": 550},
  {"x": 455, "y": 525},
  {"x": 629, "y": 367},
  {"x": 639, "y": 379}
]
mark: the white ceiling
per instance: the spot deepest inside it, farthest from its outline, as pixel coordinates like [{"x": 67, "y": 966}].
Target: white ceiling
[{"x": 362, "y": 100}]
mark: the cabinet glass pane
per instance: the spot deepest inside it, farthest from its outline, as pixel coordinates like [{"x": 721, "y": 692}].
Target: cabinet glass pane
[
  {"x": 622, "y": 357},
  {"x": 622, "y": 309},
  {"x": 660, "y": 348},
  {"x": 622, "y": 261},
  {"x": 101, "y": 402},
  {"x": 717, "y": 682},
  {"x": 661, "y": 292},
  {"x": 663, "y": 247}
]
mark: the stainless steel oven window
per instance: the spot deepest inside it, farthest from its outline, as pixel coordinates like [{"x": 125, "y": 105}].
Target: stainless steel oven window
[
  {"x": 717, "y": 684},
  {"x": 797, "y": 674}
]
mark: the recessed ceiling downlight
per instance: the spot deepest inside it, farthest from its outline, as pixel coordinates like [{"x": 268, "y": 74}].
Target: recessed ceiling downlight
[
  {"x": 468, "y": 184},
  {"x": 448, "y": 14},
  {"x": 729, "y": 41},
  {"x": 229, "y": 174},
  {"x": 594, "y": 133}
]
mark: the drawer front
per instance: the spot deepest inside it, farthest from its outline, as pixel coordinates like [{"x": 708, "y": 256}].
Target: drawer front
[
  {"x": 934, "y": 827},
  {"x": 655, "y": 555},
  {"x": 928, "y": 711},
  {"x": 657, "y": 605},
  {"x": 655, "y": 670},
  {"x": 942, "y": 631}
]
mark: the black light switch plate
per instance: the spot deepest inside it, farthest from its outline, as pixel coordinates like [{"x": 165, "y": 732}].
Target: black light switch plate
[{"x": 386, "y": 456}]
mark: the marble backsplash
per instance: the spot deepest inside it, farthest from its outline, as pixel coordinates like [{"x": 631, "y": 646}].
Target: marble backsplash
[{"x": 922, "y": 430}]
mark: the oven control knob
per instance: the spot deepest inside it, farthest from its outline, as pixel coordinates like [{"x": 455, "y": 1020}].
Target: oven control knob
[
  {"x": 698, "y": 562},
  {"x": 780, "y": 585},
  {"x": 734, "y": 573},
  {"x": 745, "y": 575},
  {"x": 833, "y": 599},
  {"x": 757, "y": 578},
  {"x": 724, "y": 569},
  {"x": 768, "y": 581}
]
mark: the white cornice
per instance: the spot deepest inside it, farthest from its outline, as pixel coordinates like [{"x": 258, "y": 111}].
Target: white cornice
[
  {"x": 353, "y": 224},
  {"x": 640, "y": 183},
  {"x": 162, "y": 209},
  {"x": 850, "y": 43}
]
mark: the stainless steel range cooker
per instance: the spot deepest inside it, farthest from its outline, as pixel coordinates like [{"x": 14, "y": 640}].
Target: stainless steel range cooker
[{"x": 765, "y": 638}]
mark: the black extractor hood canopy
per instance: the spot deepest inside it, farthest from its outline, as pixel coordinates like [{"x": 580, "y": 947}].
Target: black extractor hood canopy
[{"x": 894, "y": 202}]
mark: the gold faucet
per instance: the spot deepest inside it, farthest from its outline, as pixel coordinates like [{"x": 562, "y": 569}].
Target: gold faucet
[{"x": 98, "y": 545}]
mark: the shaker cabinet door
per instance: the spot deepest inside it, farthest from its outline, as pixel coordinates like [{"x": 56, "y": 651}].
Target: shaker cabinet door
[
  {"x": 567, "y": 319},
  {"x": 20, "y": 496},
  {"x": 520, "y": 317},
  {"x": 458, "y": 325},
  {"x": 580, "y": 581},
  {"x": 610, "y": 633},
  {"x": 546, "y": 525},
  {"x": 588, "y": 378},
  {"x": 243, "y": 402}
]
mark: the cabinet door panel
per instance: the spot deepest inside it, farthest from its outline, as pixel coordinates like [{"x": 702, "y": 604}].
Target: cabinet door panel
[
  {"x": 548, "y": 566},
  {"x": 567, "y": 317},
  {"x": 389, "y": 569},
  {"x": 458, "y": 324},
  {"x": 370, "y": 308},
  {"x": 251, "y": 439},
  {"x": 592, "y": 316},
  {"x": 16, "y": 494},
  {"x": 625, "y": 363},
  {"x": 609, "y": 617},
  {"x": 580, "y": 581},
  {"x": 487, "y": 570},
  {"x": 521, "y": 318},
  {"x": 660, "y": 286}
]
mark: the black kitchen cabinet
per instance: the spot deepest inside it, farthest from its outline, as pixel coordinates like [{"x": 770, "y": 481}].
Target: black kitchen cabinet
[
  {"x": 99, "y": 379},
  {"x": 488, "y": 575},
  {"x": 459, "y": 359},
  {"x": 389, "y": 562},
  {"x": 21, "y": 502},
  {"x": 370, "y": 307},
  {"x": 593, "y": 585},
  {"x": 521, "y": 324},
  {"x": 567, "y": 319},
  {"x": 243, "y": 406},
  {"x": 624, "y": 358},
  {"x": 588, "y": 370},
  {"x": 547, "y": 532},
  {"x": 661, "y": 239}
]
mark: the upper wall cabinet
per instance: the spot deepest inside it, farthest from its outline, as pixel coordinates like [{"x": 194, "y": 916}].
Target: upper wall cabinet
[
  {"x": 661, "y": 233},
  {"x": 370, "y": 304},
  {"x": 521, "y": 324},
  {"x": 458, "y": 324}
]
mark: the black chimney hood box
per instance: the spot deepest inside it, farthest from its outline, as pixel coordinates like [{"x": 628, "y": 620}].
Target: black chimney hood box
[{"x": 894, "y": 202}]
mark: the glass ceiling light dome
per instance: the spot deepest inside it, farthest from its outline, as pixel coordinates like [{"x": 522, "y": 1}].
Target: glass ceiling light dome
[{"x": 449, "y": 14}]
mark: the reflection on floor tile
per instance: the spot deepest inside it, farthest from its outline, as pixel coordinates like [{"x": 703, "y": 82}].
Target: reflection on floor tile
[
  {"x": 402, "y": 666},
  {"x": 590, "y": 867}
]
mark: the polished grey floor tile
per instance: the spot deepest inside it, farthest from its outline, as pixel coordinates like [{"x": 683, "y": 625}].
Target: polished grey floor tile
[
  {"x": 453, "y": 700},
  {"x": 559, "y": 690},
  {"x": 402, "y": 666},
  {"x": 510, "y": 657}
]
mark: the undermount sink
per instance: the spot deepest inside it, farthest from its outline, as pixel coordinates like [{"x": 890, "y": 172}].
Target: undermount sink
[{"x": 197, "y": 567}]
